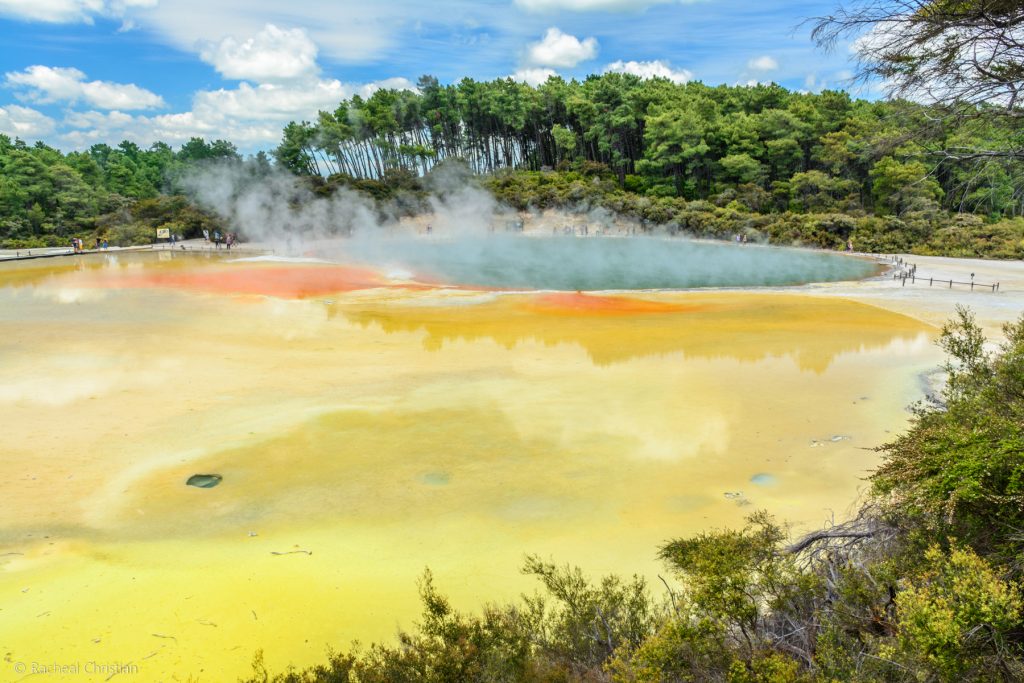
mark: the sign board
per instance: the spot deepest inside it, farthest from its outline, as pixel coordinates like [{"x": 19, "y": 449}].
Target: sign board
[{"x": 163, "y": 233}]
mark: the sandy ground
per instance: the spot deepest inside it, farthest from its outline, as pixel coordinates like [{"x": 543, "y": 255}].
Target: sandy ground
[
  {"x": 184, "y": 245},
  {"x": 934, "y": 304}
]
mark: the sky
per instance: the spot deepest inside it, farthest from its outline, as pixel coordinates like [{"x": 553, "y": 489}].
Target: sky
[{"x": 78, "y": 72}]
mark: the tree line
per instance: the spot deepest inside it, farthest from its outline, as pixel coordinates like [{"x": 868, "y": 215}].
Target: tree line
[
  {"x": 778, "y": 166},
  {"x": 47, "y": 196},
  {"x": 774, "y": 164},
  {"x": 771, "y": 148}
]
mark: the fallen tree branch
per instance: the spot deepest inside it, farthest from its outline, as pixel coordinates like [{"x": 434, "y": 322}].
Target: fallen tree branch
[{"x": 825, "y": 534}]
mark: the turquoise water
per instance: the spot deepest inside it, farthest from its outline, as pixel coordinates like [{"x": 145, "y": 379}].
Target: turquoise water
[{"x": 569, "y": 263}]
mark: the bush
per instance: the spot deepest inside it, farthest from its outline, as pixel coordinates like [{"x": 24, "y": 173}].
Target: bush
[
  {"x": 131, "y": 235},
  {"x": 956, "y": 619},
  {"x": 25, "y": 243},
  {"x": 959, "y": 470}
]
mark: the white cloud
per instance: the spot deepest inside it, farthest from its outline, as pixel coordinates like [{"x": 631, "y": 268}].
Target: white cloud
[
  {"x": 66, "y": 11},
  {"x": 533, "y": 76},
  {"x": 394, "y": 83},
  {"x": 250, "y": 116},
  {"x": 106, "y": 95},
  {"x": 652, "y": 69},
  {"x": 283, "y": 102},
  {"x": 559, "y": 49},
  {"x": 273, "y": 54},
  {"x": 763, "y": 63},
  {"x": 97, "y": 120},
  {"x": 587, "y": 5},
  {"x": 46, "y": 85},
  {"x": 24, "y": 122},
  {"x": 346, "y": 30},
  {"x": 90, "y": 127},
  {"x": 271, "y": 101},
  {"x": 352, "y": 31},
  {"x": 815, "y": 83}
]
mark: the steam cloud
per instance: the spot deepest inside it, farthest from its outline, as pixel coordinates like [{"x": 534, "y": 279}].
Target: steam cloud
[{"x": 469, "y": 242}]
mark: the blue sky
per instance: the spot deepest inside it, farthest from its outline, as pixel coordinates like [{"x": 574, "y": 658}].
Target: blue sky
[{"x": 76, "y": 72}]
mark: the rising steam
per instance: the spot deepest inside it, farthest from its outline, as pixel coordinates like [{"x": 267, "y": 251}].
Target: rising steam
[{"x": 464, "y": 239}]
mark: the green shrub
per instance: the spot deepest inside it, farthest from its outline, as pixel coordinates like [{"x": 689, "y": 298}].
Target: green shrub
[{"x": 956, "y": 620}]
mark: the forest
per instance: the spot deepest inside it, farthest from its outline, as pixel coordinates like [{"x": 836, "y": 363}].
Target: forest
[
  {"x": 121, "y": 193},
  {"x": 764, "y": 146},
  {"x": 778, "y": 166}
]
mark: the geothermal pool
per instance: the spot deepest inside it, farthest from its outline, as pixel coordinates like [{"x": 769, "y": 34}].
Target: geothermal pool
[
  {"x": 366, "y": 428},
  {"x": 568, "y": 263}
]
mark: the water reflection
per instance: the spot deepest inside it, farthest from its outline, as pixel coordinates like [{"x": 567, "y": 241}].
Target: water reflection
[{"x": 746, "y": 328}]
